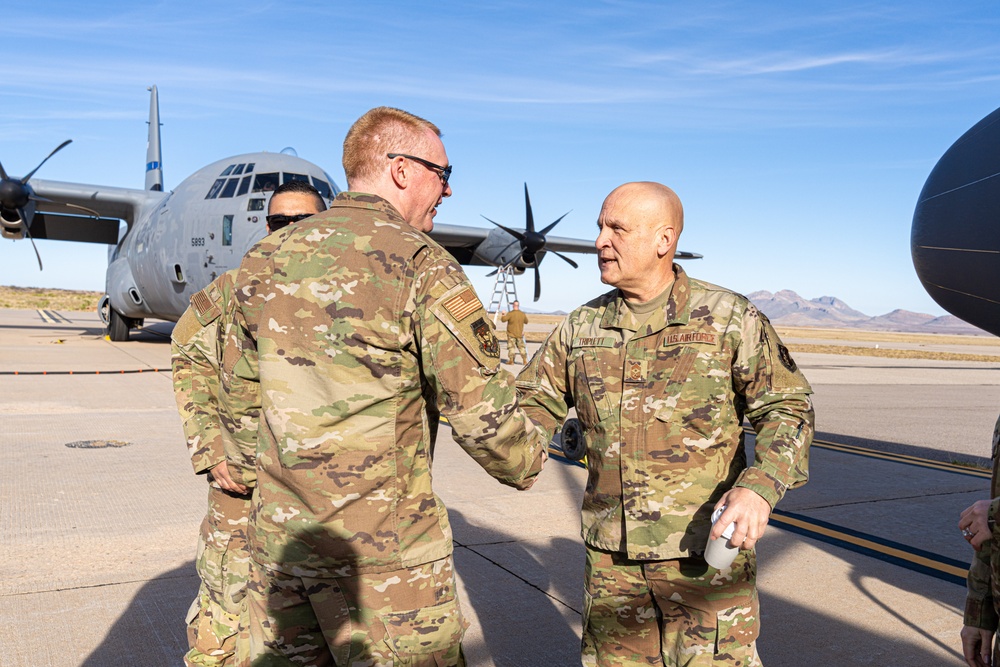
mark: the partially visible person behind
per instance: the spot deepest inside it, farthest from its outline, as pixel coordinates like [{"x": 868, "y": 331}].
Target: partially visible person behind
[
  {"x": 662, "y": 371},
  {"x": 515, "y": 319},
  {"x": 982, "y": 603},
  {"x": 196, "y": 344},
  {"x": 359, "y": 332}
]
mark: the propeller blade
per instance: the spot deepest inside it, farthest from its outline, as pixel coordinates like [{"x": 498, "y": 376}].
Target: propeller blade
[
  {"x": 27, "y": 232},
  {"x": 529, "y": 218},
  {"x": 564, "y": 258},
  {"x": 492, "y": 273},
  {"x": 538, "y": 284},
  {"x": 3, "y": 173},
  {"x": 513, "y": 232},
  {"x": 549, "y": 228},
  {"x": 58, "y": 148}
]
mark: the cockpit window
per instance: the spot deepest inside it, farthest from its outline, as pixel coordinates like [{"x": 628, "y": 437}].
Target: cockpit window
[
  {"x": 228, "y": 170},
  {"x": 255, "y": 204},
  {"x": 250, "y": 167},
  {"x": 214, "y": 190},
  {"x": 244, "y": 186},
  {"x": 323, "y": 188},
  {"x": 238, "y": 170},
  {"x": 265, "y": 182},
  {"x": 230, "y": 188},
  {"x": 287, "y": 178}
]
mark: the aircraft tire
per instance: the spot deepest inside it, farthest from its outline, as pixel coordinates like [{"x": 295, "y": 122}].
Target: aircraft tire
[
  {"x": 574, "y": 444},
  {"x": 118, "y": 326}
]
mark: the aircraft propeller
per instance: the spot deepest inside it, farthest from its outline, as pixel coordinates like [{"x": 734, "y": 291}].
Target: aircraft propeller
[
  {"x": 15, "y": 195},
  {"x": 533, "y": 242}
]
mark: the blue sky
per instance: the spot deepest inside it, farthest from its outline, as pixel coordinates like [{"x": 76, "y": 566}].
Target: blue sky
[{"x": 798, "y": 135}]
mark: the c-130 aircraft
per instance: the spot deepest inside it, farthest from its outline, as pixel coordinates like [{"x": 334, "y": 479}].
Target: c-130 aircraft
[{"x": 176, "y": 242}]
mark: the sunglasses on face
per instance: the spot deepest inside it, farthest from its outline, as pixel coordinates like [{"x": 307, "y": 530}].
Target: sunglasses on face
[
  {"x": 444, "y": 173},
  {"x": 277, "y": 221}
]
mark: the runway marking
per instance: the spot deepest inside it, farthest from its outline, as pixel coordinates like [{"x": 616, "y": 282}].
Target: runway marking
[
  {"x": 52, "y": 317},
  {"x": 902, "y": 555},
  {"x": 905, "y": 459}
]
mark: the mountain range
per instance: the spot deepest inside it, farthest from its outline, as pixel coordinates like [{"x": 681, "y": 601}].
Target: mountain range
[{"x": 789, "y": 309}]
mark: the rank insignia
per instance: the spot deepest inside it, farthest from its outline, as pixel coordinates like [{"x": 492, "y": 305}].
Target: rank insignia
[
  {"x": 488, "y": 342},
  {"x": 786, "y": 358},
  {"x": 635, "y": 370}
]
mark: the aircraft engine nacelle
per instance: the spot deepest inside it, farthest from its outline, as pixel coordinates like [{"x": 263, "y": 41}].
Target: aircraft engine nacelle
[
  {"x": 501, "y": 249},
  {"x": 14, "y": 222},
  {"x": 11, "y": 225}
]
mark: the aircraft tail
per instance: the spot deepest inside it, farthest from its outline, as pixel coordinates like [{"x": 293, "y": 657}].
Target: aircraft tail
[{"x": 154, "y": 162}]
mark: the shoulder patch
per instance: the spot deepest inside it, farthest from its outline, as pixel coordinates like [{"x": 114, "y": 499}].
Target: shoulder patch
[
  {"x": 206, "y": 305},
  {"x": 463, "y": 314},
  {"x": 786, "y": 358},
  {"x": 463, "y": 304},
  {"x": 488, "y": 342}
]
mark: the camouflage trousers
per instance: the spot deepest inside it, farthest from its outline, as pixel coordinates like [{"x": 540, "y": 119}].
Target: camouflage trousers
[
  {"x": 675, "y": 612},
  {"x": 402, "y": 618},
  {"x": 223, "y": 563},
  {"x": 518, "y": 343}
]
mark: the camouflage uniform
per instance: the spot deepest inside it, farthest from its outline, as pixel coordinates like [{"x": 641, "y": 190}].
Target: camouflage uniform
[
  {"x": 515, "y": 320},
  {"x": 662, "y": 415},
  {"x": 982, "y": 604},
  {"x": 222, "y": 561},
  {"x": 361, "y": 332}
]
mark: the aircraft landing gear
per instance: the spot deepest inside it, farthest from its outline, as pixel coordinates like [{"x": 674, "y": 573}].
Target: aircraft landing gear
[
  {"x": 574, "y": 445},
  {"x": 118, "y": 326}
]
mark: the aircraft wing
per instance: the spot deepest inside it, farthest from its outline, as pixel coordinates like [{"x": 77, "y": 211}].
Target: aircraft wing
[
  {"x": 458, "y": 236},
  {"x": 90, "y": 213}
]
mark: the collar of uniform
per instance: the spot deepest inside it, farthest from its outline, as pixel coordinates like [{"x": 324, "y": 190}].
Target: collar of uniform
[
  {"x": 367, "y": 201},
  {"x": 676, "y": 311}
]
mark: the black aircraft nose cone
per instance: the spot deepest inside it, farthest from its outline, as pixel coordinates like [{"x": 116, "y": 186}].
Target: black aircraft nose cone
[{"x": 13, "y": 194}]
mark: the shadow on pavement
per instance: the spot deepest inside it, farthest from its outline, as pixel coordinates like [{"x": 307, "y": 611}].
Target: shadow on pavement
[{"x": 151, "y": 630}]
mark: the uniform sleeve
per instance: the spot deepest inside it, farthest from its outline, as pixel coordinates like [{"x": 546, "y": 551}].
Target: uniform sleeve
[
  {"x": 240, "y": 400},
  {"x": 542, "y": 384},
  {"x": 779, "y": 407},
  {"x": 196, "y": 385},
  {"x": 979, "y": 609},
  {"x": 460, "y": 357}
]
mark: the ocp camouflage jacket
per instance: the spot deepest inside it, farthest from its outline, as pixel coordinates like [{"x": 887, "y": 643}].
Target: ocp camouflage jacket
[
  {"x": 663, "y": 413},
  {"x": 361, "y": 332}
]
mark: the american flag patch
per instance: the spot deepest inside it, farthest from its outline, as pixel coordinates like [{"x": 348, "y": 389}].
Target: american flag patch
[{"x": 463, "y": 304}]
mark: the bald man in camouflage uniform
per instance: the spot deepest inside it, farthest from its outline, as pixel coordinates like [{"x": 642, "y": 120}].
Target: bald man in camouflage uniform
[
  {"x": 662, "y": 371},
  {"x": 223, "y": 563},
  {"x": 362, "y": 331}
]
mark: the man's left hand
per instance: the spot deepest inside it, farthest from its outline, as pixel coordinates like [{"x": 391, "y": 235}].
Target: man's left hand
[
  {"x": 974, "y": 524},
  {"x": 750, "y": 512}
]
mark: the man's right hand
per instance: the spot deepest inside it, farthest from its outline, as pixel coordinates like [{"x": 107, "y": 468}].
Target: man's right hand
[
  {"x": 977, "y": 645},
  {"x": 220, "y": 473}
]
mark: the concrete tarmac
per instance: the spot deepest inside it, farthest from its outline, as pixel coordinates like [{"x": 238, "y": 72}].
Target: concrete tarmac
[{"x": 98, "y": 541}]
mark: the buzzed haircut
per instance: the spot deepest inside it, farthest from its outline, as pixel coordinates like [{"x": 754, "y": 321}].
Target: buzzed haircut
[
  {"x": 380, "y": 131},
  {"x": 300, "y": 187}
]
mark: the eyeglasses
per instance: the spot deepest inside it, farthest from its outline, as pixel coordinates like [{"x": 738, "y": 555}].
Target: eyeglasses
[
  {"x": 444, "y": 173},
  {"x": 277, "y": 221}
]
